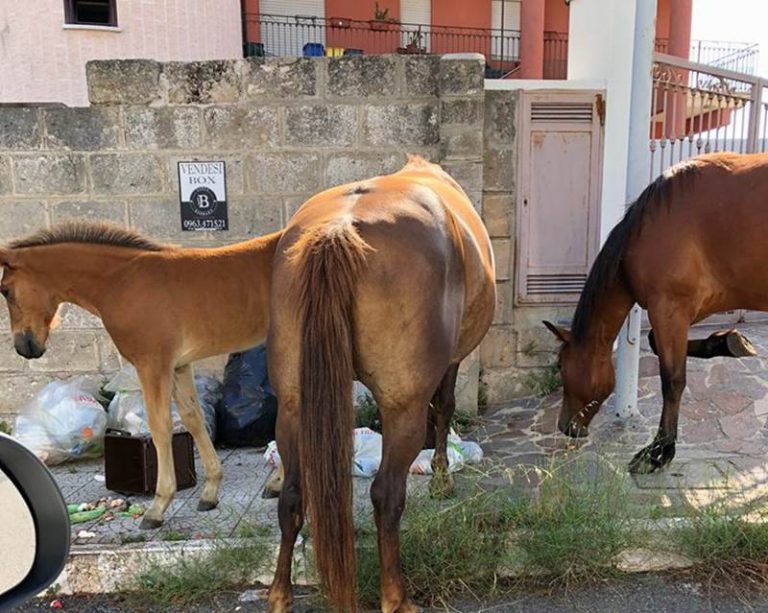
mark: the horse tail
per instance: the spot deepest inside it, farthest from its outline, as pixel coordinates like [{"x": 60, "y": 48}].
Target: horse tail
[{"x": 332, "y": 256}]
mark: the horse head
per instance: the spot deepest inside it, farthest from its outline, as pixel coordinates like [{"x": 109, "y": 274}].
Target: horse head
[
  {"x": 588, "y": 379},
  {"x": 31, "y": 305}
]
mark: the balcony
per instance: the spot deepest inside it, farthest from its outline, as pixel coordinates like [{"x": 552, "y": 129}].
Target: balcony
[
  {"x": 336, "y": 36},
  {"x": 287, "y": 36}
]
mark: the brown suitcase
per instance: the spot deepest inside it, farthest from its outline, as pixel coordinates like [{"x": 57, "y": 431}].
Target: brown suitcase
[{"x": 130, "y": 462}]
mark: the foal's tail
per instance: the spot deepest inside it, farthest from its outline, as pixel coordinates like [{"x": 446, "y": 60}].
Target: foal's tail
[{"x": 331, "y": 258}]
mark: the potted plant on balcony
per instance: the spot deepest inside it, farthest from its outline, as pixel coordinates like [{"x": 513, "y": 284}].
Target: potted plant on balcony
[
  {"x": 416, "y": 43},
  {"x": 382, "y": 20}
]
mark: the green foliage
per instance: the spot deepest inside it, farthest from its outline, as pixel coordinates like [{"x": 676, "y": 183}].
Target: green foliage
[
  {"x": 380, "y": 14},
  {"x": 368, "y": 415},
  {"x": 544, "y": 381},
  {"x": 571, "y": 531}
]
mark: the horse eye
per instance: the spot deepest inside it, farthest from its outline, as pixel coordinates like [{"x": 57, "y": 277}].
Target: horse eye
[{"x": 5, "y": 292}]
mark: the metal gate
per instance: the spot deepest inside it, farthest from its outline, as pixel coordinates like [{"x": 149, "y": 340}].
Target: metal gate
[{"x": 698, "y": 109}]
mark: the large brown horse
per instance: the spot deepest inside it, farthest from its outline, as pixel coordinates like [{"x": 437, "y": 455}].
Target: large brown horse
[
  {"x": 164, "y": 308},
  {"x": 693, "y": 244},
  {"x": 390, "y": 280}
]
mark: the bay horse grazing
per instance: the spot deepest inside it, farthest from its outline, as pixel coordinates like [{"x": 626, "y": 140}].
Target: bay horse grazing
[
  {"x": 693, "y": 244},
  {"x": 164, "y": 308},
  {"x": 390, "y": 280}
]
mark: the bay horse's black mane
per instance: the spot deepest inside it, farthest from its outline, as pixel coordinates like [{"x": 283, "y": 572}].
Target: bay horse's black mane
[
  {"x": 101, "y": 233},
  {"x": 607, "y": 265}
]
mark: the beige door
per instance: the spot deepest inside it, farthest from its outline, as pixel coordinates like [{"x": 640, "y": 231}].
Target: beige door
[{"x": 560, "y": 170}]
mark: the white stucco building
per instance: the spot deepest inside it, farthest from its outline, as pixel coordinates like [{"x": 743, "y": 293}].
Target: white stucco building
[{"x": 44, "y": 44}]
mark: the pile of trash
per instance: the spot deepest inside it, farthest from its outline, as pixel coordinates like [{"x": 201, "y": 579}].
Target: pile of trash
[
  {"x": 367, "y": 457},
  {"x": 68, "y": 420},
  {"x": 105, "y": 509}
]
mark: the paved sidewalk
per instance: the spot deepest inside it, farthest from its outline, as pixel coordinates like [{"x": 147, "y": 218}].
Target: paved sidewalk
[{"x": 721, "y": 454}]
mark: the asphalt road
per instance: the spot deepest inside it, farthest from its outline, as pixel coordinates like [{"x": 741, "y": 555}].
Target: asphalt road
[{"x": 638, "y": 594}]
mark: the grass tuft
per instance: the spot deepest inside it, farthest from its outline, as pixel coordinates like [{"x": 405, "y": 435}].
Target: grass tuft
[
  {"x": 576, "y": 524},
  {"x": 495, "y": 538},
  {"x": 729, "y": 549},
  {"x": 446, "y": 550},
  {"x": 192, "y": 579}
]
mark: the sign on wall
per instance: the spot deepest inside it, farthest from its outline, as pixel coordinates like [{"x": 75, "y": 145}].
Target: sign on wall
[{"x": 203, "y": 196}]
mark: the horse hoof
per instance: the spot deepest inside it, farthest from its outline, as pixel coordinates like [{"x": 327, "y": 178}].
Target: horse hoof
[
  {"x": 204, "y": 505},
  {"x": 279, "y": 603},
  {"x": 150, "y": 524},
  {"x": 739, "y": 346},
  {"x": 441, "y": 487},
  {"x": 408, "y": 607},
  {"x": 643, "y": 466},
  {"x": 268, "y": 493},
  {"x": 650, "y": 460}
]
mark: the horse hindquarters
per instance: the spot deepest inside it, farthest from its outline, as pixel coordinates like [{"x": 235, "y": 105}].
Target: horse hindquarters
[{"x": 317, "y": 282}]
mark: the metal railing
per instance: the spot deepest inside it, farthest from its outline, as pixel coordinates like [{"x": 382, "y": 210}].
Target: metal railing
[
  {"x": 334, "y": 36},
  {"x": 739, "y": 57},
  {"x": 697, "y": 109}
]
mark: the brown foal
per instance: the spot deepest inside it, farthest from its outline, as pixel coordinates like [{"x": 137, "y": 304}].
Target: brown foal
[{"x": 164, "y": 308}]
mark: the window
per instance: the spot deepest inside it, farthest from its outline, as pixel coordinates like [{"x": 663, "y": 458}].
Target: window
[
  {"x": 505, "y": 29},
  {"x": 91, "y": 12}
]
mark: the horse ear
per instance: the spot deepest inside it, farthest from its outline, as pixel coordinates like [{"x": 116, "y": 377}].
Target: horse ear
[{"x": 561, "y": 333}]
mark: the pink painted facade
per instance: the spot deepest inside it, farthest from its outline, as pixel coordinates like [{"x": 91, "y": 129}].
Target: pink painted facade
[{"x": 43, "y": 60}]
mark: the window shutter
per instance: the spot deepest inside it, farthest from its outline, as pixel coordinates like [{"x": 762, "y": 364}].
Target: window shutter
[{"x": 559, "y": 196}]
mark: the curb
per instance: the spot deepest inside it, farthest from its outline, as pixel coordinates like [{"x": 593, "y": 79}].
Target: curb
[{"x": 105, "y": 569}]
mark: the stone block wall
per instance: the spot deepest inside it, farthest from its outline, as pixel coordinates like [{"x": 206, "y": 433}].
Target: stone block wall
[
  {"x": 286, "y": 128},
  {"x": 517, "y": 344}
]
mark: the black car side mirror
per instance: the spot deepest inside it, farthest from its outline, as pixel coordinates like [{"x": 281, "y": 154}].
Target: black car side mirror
[{"x": 34, "y": 525}]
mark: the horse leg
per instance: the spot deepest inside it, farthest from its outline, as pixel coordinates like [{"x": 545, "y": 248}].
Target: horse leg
[
  {"x": 671, "y": 340},
  {"x": 274, "y": 485},
  {"x": 156, "y": 384},
  {"x": 723, "y": 343},
  {"x": 444, "y": 403},
  {"x": 403, "y": 436},
  {"x": 191, "y": 414},
  {"x": 290, "y": 508}
]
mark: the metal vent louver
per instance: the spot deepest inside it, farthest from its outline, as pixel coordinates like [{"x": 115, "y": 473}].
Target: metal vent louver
[
  {"x": 555, "y": 284},
  {"x": 562, "y": 112}
]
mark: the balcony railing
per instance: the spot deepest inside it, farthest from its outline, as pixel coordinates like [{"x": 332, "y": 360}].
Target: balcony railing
[
  {"x": 336, "y": 36},
  {"x": 299, "y": 35},
  {"x": 738, "y": 57}
]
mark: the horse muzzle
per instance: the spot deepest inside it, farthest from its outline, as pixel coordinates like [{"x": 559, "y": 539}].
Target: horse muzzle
[
  {"x": 577, "y": 426},
  {"x": 27, "y": 346}
]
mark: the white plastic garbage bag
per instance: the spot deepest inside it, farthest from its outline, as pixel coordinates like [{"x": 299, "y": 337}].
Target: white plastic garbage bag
[
  {"x": 368, "y": 454},
  {"x": 64, "y": 422},
  {"x": 126, "y": 410}
]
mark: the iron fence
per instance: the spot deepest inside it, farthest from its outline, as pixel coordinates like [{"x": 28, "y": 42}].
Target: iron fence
[
  {"x": 313, "y": 36},
  {"x": 697, "y": 109},
  {"x": 739, "y": 57}
]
